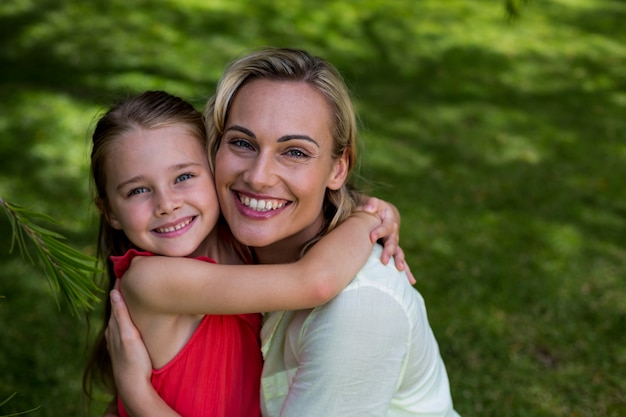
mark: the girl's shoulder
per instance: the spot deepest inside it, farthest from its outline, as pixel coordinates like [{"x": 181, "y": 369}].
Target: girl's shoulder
[{"x": 122, "y": 263}]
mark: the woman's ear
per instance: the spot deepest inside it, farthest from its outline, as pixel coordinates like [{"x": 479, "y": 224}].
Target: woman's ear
[
  {"x": 108, "y": 215},
  {"x": 339, "y": 173}
]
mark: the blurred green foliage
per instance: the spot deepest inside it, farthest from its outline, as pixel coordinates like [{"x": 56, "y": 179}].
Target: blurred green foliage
[{"x": 502, "y": 141}]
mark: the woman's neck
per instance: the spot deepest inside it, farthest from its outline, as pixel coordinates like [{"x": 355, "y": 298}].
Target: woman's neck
[
  {"x": 289, "y": 249},
  {"x": 221, "y": 248}
]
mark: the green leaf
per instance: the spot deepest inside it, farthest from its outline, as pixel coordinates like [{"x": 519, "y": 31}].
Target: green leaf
[
  {"x": 18, "y": 413},
  {"x": 68, "y": 271}
]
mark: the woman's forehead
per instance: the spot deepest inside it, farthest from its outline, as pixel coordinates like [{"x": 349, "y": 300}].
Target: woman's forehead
[{"x": 281, "y": 107}]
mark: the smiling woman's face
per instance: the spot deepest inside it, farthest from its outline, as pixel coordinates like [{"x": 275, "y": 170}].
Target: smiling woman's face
[{"x": 273, "y": 166}]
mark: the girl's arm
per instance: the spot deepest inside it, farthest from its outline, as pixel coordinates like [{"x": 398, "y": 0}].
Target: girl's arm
[
  {"x": 188, "y": 286},
  {"x": 388, "y": 232}
]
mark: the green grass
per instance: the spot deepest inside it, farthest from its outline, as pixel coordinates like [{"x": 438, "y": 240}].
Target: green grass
[{"x": 502, "y": 143}]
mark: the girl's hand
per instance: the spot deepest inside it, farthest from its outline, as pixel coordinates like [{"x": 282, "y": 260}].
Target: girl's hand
[
  {"x": 389, "y": 232},
  {"x": 131, "y": 363}
]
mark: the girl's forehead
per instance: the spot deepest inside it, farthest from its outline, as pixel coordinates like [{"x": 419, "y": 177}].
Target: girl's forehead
[{"x": 144, "y": 149}]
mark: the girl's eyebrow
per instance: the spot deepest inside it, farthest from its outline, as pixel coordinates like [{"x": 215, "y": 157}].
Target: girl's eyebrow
[
  {"x": 140, "y": 178},
  {"x": 280, "y": 139},
  {"x": 121, "y": 185},
  {"x": 184, "y": 165}
]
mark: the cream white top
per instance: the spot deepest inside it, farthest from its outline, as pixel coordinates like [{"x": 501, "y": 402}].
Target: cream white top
[{"x": 368, "y": 352}]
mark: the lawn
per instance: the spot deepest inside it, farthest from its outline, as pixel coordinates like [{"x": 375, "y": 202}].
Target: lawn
[{"x": 502, "y": 142}]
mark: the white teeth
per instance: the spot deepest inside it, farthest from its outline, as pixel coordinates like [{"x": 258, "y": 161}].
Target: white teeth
[
  {"x": 173, "y": 228},
  {"x": 261, "y": 205}
]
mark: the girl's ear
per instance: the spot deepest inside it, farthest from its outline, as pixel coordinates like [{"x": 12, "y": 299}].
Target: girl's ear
[
  {"x": 340, "y": 172},
  {"x": 108, "y": 215}
]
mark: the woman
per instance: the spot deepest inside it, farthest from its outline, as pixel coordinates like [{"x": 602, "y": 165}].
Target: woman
[{"x": 370, "y": 350}]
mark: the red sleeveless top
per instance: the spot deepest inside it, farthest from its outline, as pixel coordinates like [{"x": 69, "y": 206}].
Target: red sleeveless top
[{"x": 218, "y": 371}]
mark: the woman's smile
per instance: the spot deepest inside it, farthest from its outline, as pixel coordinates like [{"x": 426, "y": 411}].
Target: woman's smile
[
  {"x": 261, "y": 204},
  {"x": 257, "y": 208}
]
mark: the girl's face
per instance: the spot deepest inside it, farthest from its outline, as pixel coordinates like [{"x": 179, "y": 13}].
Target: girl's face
[
  {"x": 274, "y": 165},
  {"x": 160, "y": 191}
]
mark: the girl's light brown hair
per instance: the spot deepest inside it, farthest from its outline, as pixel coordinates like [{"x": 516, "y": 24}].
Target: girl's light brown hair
[{"x": 146, "y": 111}]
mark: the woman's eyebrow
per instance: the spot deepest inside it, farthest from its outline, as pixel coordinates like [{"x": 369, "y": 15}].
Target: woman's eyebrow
[
  {"x": 241, "y": 129},
  {"x": 280, "y": 139},
  {"x": 303, "y": 137}
]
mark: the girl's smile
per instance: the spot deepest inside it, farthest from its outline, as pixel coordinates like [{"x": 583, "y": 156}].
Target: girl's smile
[{"x": 178, "y": 226}]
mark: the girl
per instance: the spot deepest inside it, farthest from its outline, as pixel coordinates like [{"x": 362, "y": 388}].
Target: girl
[{"x": 156, "y": 196}]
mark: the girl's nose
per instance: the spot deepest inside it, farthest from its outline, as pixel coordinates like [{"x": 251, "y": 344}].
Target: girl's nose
[{"x": 167, "y": 202}]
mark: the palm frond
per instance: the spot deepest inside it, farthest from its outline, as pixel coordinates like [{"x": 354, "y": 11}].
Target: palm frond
[
  {"x": 20, "y": 413},
  {"x": 69, "y": 271}
]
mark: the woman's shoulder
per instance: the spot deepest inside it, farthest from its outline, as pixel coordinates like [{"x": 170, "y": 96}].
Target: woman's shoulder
[
  {"x": 390, "y": 285},
  {"x": 375, "y": 271}
]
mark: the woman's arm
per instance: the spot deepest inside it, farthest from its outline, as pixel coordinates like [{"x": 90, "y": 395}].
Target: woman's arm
[{"x": 187, "y": 286}]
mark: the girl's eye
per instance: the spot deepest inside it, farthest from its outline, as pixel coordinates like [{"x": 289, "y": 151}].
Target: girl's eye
[
  {"x": 136, "y": 191},
  {"x": 184, "y": 177}
]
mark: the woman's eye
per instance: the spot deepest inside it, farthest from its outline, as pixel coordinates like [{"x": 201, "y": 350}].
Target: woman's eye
[
  {"x": 297, "y": 153},
  {"x": 136, "y": 191},
  {"x": 183, "y": 177},
  {"x": 241, "y": 143}
]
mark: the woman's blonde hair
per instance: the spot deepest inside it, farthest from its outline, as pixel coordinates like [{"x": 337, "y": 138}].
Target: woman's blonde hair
[{"x": 284, "y": 64}]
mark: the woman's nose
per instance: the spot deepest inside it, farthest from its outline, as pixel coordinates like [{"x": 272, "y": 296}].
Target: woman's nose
[{"x": 261, "y": 173}]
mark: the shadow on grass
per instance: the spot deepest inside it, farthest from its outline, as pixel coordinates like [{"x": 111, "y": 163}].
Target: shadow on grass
[{"x": 508, "y": 169}]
